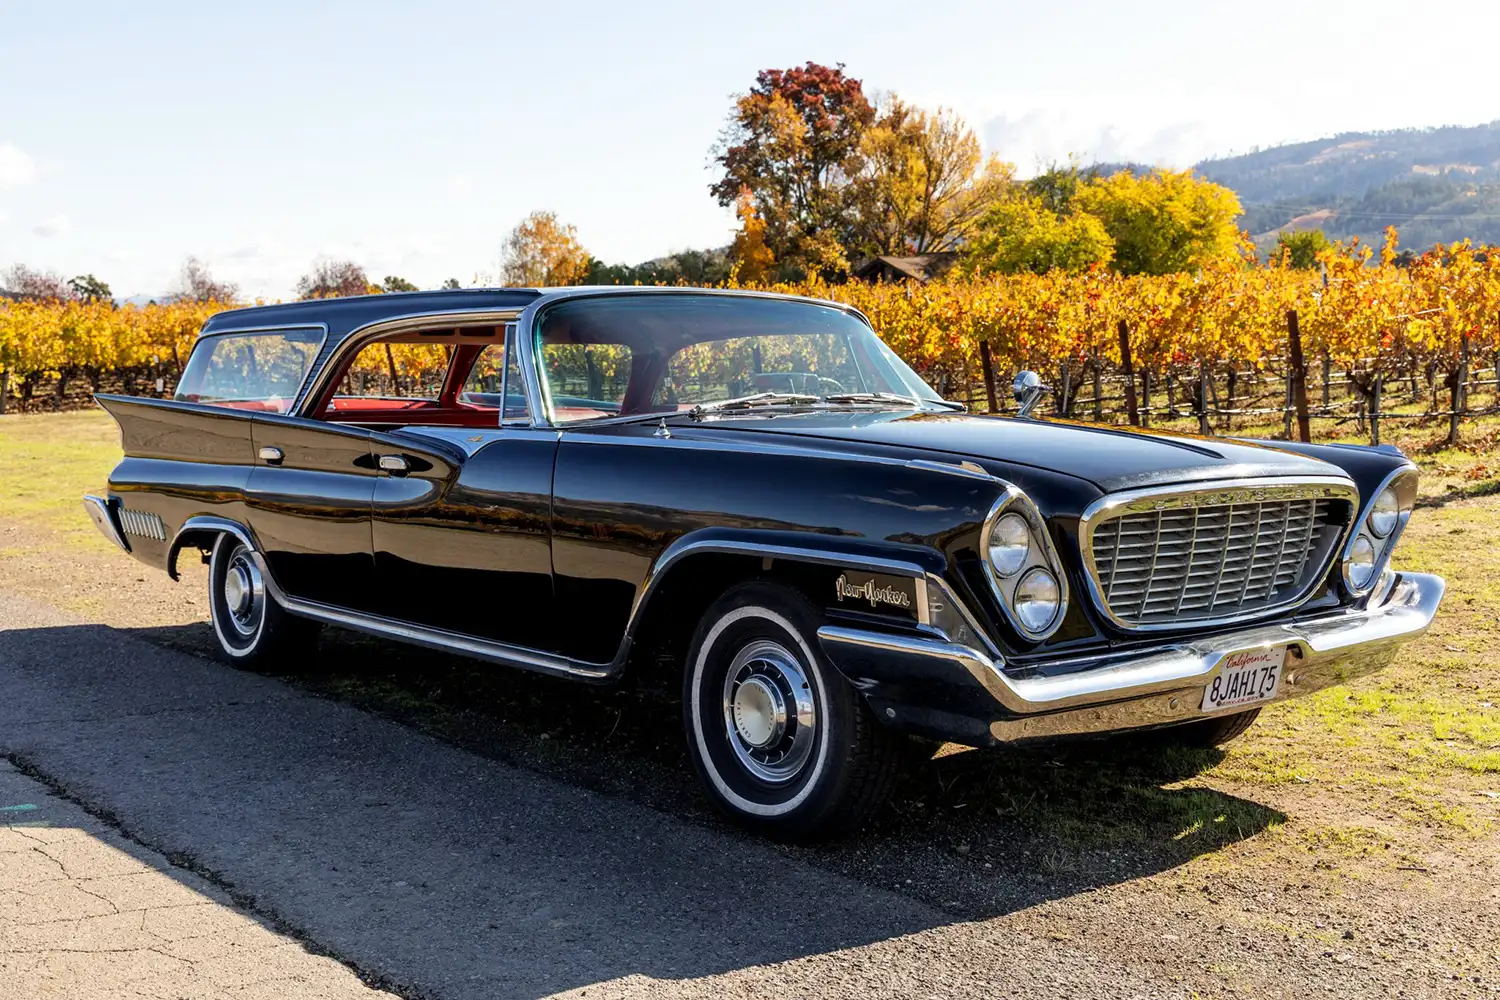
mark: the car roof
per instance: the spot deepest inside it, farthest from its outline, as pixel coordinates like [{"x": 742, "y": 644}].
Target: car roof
[{"x": 341, "y": 317}]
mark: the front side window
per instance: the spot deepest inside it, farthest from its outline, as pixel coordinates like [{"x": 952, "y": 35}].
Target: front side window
[
  {"x": 260, "y": 371},
  {"x": 624, "y": 355}
]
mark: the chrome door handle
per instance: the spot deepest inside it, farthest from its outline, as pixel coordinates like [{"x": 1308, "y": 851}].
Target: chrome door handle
[
  {"x": 271, "y": 455},
  {"x": 395, "y": 464}
]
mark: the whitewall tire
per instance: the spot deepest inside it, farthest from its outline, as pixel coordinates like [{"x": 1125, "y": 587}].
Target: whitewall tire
[
  {"x": 782, "y": 742},
  {"x": 252, "y": 629}
]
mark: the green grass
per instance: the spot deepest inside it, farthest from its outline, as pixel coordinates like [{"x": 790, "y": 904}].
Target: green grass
[{"x": 48, "y": 461}]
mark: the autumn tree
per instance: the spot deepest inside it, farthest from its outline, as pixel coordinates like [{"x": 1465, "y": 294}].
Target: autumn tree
[
  {"x": 332, "y": 279},
  {"x": 22, "y": 282},
  {"x": 1163, "y": 222},
  {"x": 1300, "y": 250},
  {"x": 392, "y": 283},
  {"x": 751, "y": 260},
  {"x": 196, "y": 284},
  {"x": 543, "y": 252},
  {"x": 1021, "y": 233},
  {"x": 789, "y": 141},
  {"x": 921, "y": 182}
]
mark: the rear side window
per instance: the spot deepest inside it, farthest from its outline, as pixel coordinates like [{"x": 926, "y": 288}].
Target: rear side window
[{"x": 253, "y": 371}]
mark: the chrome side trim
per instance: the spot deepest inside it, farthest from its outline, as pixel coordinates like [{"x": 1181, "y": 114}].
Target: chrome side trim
[
  {"x": 687, "y": 546},
  {"x": 101, "y": 512},
  {"x": 1387, "y": 544},
  {"x": 1164, "y": 684},
  {"x": 1014, "y": 499},
  {"x": 963, "y": 468},
  {"x": 452, "y": 642},
  {"x": 1222, "y": 491}
]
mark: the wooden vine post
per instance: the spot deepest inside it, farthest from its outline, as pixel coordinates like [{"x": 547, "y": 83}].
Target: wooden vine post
[
  {"x": 1375, "y": 412},
  {"x": 987, "y": 364},
  {"x": 1129, "y": 371},
  {"x": 1460, "y": 387},
  {"x": 1298, "y": 377},
  {"x": 1203, "y": 427}
]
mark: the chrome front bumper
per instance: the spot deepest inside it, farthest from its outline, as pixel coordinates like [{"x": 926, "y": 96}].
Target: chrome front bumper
[{"x": 1144, "y": 688}]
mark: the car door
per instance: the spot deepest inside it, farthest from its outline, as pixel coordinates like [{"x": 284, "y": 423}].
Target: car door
[
  {"x": 308, "y": 501},
  {"x": 461, "y": 526},
  {"x": 461, "y": 530}
]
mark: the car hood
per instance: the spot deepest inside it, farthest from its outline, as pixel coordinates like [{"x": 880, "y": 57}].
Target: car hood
[{"x": 1112, "y": 458}]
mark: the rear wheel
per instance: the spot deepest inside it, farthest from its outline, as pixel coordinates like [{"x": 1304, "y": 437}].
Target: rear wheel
[
  {"x": 1211, "y": 732},
  {"x": 252, "y": 629},
  {"x": 782, "y": 742}
]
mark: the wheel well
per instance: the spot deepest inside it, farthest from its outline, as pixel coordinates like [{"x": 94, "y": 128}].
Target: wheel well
[
  {"x": 202, "y": 539},
  {"x": 672, "y": 612}
]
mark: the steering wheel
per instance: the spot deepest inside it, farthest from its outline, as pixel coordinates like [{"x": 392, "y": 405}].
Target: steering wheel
[{"x": 828, "y": 385}]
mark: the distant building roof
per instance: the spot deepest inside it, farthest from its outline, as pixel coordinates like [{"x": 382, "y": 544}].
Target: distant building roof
[{"x": 923, "y": 267}]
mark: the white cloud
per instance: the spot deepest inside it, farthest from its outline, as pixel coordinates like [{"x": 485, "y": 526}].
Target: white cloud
[
  {"x": 16, "y": 168},
  {"x": 57, "y": 225},
  {"x": 1043, "y": 136}
]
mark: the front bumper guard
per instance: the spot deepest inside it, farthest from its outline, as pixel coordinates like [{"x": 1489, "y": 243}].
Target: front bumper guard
[{"x": 1159, "y": 686}]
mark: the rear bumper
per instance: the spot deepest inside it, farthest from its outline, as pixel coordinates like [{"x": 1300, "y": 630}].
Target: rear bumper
[
  {"x": 102, "y": 512},
  {"x": 955, "y": 692}
]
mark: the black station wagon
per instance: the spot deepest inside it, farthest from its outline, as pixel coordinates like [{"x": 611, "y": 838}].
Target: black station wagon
[{"x": 758, "y": 491}]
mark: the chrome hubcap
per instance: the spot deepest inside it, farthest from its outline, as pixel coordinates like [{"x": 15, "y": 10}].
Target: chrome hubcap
[
  {"x": 769, "y": 716},
  {"x": 759, "y": 712},
  {"x": 244, "y": 592}
]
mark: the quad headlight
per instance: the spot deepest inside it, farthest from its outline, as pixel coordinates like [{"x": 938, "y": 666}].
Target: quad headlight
[
  {"x": 1384, "y": 513},
  {"x": 1022, "y": 565},
  {"x": 1038, "y": 597},
  {"x": 1010, "y": 544},
  {"x": 1369, "y": 547}
]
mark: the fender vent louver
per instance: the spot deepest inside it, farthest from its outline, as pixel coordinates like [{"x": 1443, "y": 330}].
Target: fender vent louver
[{"x": 142, "y": 524}]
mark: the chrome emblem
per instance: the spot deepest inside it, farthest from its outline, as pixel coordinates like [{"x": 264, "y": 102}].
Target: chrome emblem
[{"x": 872, "y": 592}]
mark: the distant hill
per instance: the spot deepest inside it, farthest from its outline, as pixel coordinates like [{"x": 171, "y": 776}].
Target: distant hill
[{"x": 1434, "y": 185}]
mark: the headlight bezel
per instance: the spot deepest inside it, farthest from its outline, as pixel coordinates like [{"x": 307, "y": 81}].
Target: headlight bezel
[
  {"x": 1042, "y": 553},
  {"x": 1402, "y": 484}
]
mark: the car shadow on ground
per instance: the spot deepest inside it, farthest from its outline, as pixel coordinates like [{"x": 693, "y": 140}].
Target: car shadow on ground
[{"x": 975, "y": 832}]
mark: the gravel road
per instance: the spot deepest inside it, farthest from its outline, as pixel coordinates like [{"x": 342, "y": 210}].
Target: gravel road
[{"x": 431, "y": 871}]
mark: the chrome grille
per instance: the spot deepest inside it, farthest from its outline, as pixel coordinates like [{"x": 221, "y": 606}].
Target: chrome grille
[{"x": 1190, "y": 558}]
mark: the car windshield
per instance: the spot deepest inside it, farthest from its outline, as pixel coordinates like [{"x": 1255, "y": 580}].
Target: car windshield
[{"x": 627, "y": 355}]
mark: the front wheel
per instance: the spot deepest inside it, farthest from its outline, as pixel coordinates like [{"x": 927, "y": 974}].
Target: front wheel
[
  {"x": 252, "y": 629},
  {"x": 782, "y": 742}
]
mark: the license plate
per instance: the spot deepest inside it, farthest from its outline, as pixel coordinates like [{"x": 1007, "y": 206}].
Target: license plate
[{"x": 1245, "y": 678}]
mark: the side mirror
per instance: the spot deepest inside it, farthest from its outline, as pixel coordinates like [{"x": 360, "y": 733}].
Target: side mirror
[{"x": 1028, "y": 390}]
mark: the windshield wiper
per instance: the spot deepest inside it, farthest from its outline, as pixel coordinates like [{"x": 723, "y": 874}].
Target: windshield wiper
[
  {"x": 870, "y": 397},
  {"x": 757, "y": 399}
]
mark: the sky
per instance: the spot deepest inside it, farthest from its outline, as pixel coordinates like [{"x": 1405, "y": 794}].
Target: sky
[{"x": 412, "y": 137}]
